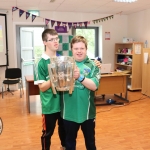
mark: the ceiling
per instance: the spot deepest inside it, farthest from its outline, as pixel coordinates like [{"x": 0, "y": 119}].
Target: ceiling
[{"x": 83, "y": 6}]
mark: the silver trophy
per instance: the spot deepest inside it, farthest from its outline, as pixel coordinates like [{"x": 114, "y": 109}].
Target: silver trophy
[{"x": 61, "y": 73}]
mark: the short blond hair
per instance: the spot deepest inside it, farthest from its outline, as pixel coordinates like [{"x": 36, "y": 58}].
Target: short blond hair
[{"x": 78, "y": 39}]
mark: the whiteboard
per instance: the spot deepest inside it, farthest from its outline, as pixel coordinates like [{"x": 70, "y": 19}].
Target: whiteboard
[{"x": 3, "y": 41}]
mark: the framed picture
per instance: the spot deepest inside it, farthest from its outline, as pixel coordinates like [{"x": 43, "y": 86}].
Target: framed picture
[{"x": 107, "y": 35}]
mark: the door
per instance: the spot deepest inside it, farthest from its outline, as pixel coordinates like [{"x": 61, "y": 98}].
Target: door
[
  {"x": 31, "y": 49},
  {"x": 27, "y": 52}
]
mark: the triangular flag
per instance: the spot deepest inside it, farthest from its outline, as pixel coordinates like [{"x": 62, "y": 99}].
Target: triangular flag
[
  {"x": 47, "y": 21},
  {"x": 69, "y": 25},
  {"x": 80, "y": 24},
  {"x": 33, "y": 17},
  {"x": 75, "y": 25},
  {"x": 64, "y": 24},
  {"x": 14, "y": 8},
  {"x": 21, "y": 12},
  {"x": 112, "y": 16},
  {"x": 109, "y": 17},
  {"x": 58, "y": 23},
  {"x": 27, "y": 15},
  {"x": 52, "y": 23},
  {"x": 85, "y": 24},
  {"x": 94, "y": 21}
]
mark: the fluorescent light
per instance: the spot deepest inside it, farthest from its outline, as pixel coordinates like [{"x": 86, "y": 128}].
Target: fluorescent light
[{"x": 125, "y": 1}]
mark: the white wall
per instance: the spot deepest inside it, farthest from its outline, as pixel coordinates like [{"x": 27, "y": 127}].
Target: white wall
[
  {"x": 117, "y": 27},
  {"x": 139, "y": 26}
]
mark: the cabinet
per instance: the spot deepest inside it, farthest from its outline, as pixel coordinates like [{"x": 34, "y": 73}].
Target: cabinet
[
  {"x": 128, "y": 59},
  {"x": 146, "y": 73}
]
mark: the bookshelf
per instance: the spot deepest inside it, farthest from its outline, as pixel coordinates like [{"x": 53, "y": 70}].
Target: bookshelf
[{"x": 128, "y": 59}]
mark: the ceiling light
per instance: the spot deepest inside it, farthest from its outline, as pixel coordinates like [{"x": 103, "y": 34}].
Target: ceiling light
[{"x": 125, "y": 1}]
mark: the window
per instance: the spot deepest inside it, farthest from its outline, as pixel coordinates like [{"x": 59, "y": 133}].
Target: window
[{"x": 91, "y": 34}]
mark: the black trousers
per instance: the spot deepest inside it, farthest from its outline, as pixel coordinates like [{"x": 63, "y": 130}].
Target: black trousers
[
  {"x": 88, "y": 129},
  {"x": 49, "y": 123}
]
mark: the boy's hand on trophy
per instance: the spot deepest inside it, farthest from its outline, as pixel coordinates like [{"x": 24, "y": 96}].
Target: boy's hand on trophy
[{"x": 76, "y": 72}]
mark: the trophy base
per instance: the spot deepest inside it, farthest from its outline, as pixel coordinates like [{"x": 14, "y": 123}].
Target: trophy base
[{"x": 62, "y": 88}]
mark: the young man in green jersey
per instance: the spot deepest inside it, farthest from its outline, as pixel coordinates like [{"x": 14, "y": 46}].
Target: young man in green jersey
[
  {"x": 50, "y": 102},
  {"x": 78, "y": 109}
]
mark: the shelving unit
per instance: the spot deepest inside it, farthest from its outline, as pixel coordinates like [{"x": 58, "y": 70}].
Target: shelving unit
[{"x": 128, "y": 59}]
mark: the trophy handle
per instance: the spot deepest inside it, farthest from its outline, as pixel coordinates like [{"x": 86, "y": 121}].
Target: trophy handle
[
  {"x": 53, "y": 88},
  {"x": 52, "y": 85},
  {"x": 73, "y": 80}
]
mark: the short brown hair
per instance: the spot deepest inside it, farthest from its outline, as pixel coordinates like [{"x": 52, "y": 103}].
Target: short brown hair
[
  {"x": 78, "y": 39},
  {"x": 48, "y": 31}
]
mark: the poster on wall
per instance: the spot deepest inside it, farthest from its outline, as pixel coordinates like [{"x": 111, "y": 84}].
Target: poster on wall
[
  {"x": 107, "y": 35},
  {"x": 61, "y": 29}
]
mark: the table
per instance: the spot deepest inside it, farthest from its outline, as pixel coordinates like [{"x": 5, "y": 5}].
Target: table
[
  {"x": 31, "y": 89},
  {"x": 112, "y": 84},
  {"x": 109, "y": 84}
]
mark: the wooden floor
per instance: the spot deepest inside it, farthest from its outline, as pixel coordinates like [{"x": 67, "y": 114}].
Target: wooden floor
[{"x": 117, "y": 127}]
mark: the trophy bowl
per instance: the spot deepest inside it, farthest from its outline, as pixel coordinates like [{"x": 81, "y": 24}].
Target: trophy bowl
[{"x": 61, "y": 73}]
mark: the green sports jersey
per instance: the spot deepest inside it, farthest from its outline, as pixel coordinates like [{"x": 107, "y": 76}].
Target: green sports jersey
[
  {"x": 50, "y": 102},
  {"x": 79, "y": 106}
]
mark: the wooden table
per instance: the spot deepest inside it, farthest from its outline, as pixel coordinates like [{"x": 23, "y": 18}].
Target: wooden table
[
  {"x": 113, "y": 84},
  {"x": 31, "y": 89},
  {"x": 109, "y": 84}
]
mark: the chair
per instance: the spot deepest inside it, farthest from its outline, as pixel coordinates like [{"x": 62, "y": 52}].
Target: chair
[{"x": 13, "y": 76}]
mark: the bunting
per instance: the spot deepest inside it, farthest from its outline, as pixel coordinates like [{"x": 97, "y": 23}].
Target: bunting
[
  {"x": 21, "y": 12},
  {"x": 33, "y": 17},
  {"x": 14, "y": 8},
  {"x": 80, "y": 24},
  {"x": 52, "y": 23},
  {"x": 58, "y": 23},
  {"x": 27, "y": 15},
  {"x": 75, "y": 25},
  {"x": 64, "y": 24},
  {"x": 85, "y": 24},
  {"x": 69, "y": 25},
  {"x": 47, "y": 21},
  {"x": 103, "y": 19}
]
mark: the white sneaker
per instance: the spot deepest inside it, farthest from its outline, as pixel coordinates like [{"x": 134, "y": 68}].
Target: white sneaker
[{"x": 62, "y": 148}]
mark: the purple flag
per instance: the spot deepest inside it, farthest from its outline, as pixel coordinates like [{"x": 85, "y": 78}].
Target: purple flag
[
  {"x": 69, "y": 25},
  {"x": 85, "y": 24},
  {"x": 33, "y": 17},
  {"x": 27, "y": 15},
  {"x": 14, "y": 8},
  {"x": 58, "y": 23},
  {"x": 47, "y": 21},
  {"x": 52, "y": 23},
  {"x": 80, "y": 24},
  {"x": 64, "y": 24},
  {"x": 75, "y": 25},
  {"x": 21, "y": 12}
]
